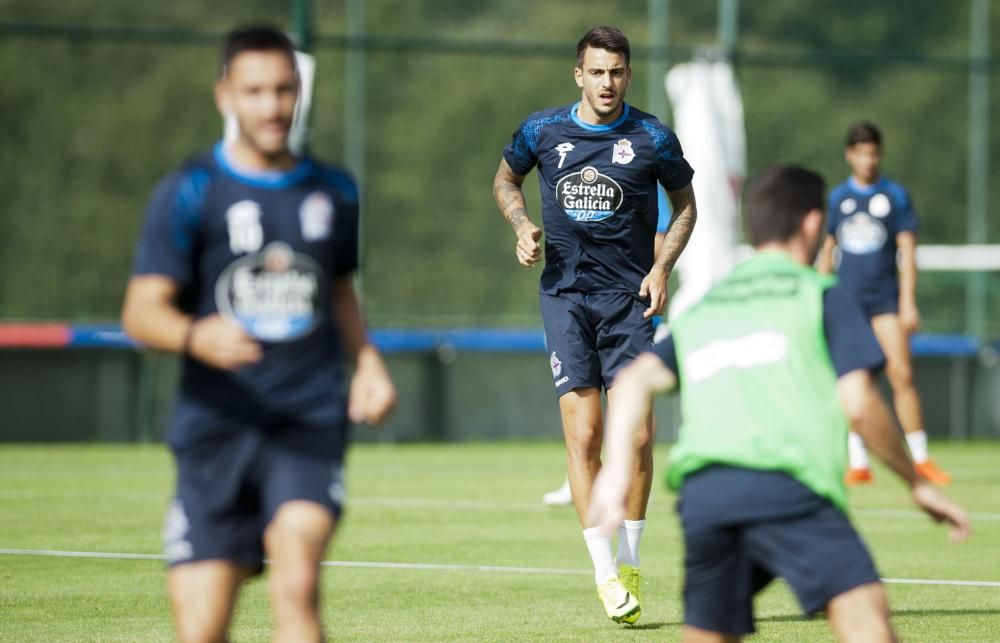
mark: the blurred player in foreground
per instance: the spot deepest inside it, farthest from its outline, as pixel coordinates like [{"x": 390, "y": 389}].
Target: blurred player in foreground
[
  {"x": 772, "y": 365},
  {"x": 244, "y": 267},
  {"x": 870, "y": 217},
  {"x": 599, "y": 161}
]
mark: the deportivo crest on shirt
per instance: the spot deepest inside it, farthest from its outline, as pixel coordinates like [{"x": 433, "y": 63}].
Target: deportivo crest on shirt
[
  {"x": 316, "y": 216},
  {"x": 555, "y": 364},
  {"x": 879, "y": 206},
  {"x": 622, "y": 153}
]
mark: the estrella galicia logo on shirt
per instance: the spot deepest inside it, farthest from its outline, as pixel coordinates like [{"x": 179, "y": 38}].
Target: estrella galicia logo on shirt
[
  {"x": 588, "y": 195},
  {"x": 275, "y": 294},
  {"x": 861, "y": 234}
]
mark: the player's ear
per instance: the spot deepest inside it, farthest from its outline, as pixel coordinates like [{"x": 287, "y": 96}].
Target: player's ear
[
  {"x": 812, "y": 223},
  {"x": 223, "y": 101},
  {"x": 578, "y": 76}
]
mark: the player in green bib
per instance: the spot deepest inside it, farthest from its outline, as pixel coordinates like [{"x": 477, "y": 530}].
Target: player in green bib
[{"x": 773, "y": 366}]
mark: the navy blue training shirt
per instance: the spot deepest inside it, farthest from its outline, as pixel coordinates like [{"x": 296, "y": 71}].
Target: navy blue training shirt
[
  {"x": 849, "y": 336},
  {"x": 599, "y": 195},
  {"x": 865, "y": 221},
  {"x": 261, "y": 249}
]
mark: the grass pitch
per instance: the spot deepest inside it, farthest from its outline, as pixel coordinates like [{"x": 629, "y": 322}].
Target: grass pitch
[{"x": 460, "y": 544}]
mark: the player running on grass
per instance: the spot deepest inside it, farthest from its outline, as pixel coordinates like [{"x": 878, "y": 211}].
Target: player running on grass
[
  {"x": 771, "y": 365},
  {"x": 244, "y": 267},
  {"x": 870, "y": 218},
  {"x": 599, "y": 161}
]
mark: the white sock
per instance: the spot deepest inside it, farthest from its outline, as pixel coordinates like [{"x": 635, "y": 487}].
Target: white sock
[
  {"x": 856, "y": 454},
  {"x": 917, "y": 441},
  {"x": 599, "y": 547},
  {"x": 629, "y": 535}
]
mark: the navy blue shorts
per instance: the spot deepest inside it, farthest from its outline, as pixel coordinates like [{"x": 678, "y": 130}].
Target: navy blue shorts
[
  {"x": 884, "y": 306},
  {"x": 590, "y": 338},
  {"x": 229, "y": 490},
  {"x": 743, "y": 528}
]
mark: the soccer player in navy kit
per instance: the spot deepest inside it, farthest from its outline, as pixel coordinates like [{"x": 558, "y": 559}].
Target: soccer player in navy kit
[
  {"x": 761, "y": 494},
  {"x": 599, "y": 161},
  {"x": 870, "y": 218},
  {"x": 244, "y": 267}
]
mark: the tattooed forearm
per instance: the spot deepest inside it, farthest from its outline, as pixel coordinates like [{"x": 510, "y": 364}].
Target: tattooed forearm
[
  {"x": 681, "y": 225},
  {"x": 508, "y": 195}
]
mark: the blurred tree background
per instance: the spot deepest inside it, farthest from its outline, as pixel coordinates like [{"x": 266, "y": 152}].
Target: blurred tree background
[{"x": 100, "y": 98}]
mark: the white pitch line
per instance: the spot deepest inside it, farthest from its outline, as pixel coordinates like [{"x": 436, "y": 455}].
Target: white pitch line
[
  {"x": 326, "y": 563},
  {"x": 80, "y": 554},
  {"x": 962, "y": 583},
  {"x": 440, "y": 566},
  {"x": 455, "y": 568},
  {"x": 912, "y": 513},
  {"x": 447, "y": 504}
]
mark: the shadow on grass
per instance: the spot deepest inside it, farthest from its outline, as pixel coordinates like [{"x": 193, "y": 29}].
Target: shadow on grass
[
  {"x": 791, "y": 618},
  {"x": 654, "y": 626}
]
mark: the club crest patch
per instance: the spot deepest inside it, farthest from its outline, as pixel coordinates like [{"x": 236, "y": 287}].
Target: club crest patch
[{"x": 623, "y": 153}]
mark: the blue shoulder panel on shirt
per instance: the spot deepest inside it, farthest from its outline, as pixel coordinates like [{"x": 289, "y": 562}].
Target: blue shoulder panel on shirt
[
  {"x": 526, "y": 145},
  {"x": 187, "y": 211},
  {"x": 338, "y": 180},
  {"x": 662, "y": 139}
]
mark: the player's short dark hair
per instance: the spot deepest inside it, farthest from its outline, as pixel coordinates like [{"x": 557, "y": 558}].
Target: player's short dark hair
[
  {"x": 254, "y": 38},
  {"x": 607, "y": 38},
  {"x": 776, "y": 201},
  {"x": 863, "y": 132}
]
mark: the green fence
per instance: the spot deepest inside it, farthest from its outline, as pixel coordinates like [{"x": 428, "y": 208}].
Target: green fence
[{"x": 102, "y": 97}]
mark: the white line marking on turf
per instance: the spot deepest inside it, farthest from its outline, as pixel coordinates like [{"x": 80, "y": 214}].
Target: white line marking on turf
[
  {"x": 446, "y": 504},
  {"x": 455, "y": 568},
  {"x": 439, "y": 566},
  {"x": 913, "y": 513},
  {"x": 80, "y": 554},
  {"x": 962, "y": 583},
  {"x": 325, "y": 563}
]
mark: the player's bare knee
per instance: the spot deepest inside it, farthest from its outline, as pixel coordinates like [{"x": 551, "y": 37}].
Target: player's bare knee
[
  {"x": 296, "y": 583},
  {"x": 644, "y": 440},
  {"x": 194, "y": 630},
  {"x": 900, "y": 376},
  {"x": 861, "y": 614},
  {"x": 583, "y": 439}
]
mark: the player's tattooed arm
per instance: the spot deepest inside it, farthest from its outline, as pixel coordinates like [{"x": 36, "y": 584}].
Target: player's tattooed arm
[
  {"x": 510, "y": 199},
  {"x": 508, "y": 195},
  {"x": 681, "y": 226}
]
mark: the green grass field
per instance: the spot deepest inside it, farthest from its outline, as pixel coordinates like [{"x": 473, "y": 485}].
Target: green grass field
[{"x": 475, "y": 507}]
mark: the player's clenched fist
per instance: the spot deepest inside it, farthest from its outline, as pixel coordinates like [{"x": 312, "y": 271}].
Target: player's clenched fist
[
  {"x": 372, "y": 395},
  {"x": 222, "y": 343},
  {"x": 529, "y": 251}
]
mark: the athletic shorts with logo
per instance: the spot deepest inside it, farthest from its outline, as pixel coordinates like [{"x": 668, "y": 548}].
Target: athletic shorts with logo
[
  {"x": 590, "y": 337},
  {"x": 228, "y": 490},
  {"x": 743, "y": 528}
]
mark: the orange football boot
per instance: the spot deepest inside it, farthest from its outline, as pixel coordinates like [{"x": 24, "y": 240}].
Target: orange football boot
[
  {"x": 858, "y": 476},
  {"x": 932, "y": 473}
]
